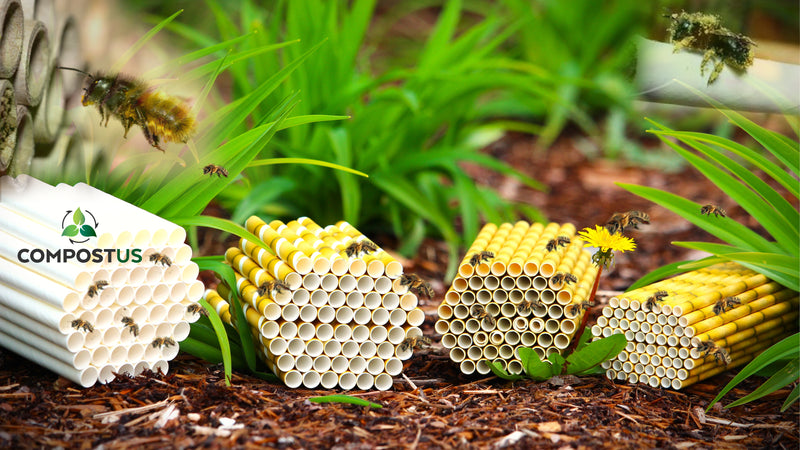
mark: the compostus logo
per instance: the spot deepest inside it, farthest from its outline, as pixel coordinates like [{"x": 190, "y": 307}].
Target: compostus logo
[{"x": 79, "y": 226}]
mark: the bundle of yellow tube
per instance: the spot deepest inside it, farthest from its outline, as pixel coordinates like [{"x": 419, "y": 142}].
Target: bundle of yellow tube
[
  {"x": 519, "y": 285},
  {"x": 696, "y": 325},
  {"x": 326, "y": 305}
]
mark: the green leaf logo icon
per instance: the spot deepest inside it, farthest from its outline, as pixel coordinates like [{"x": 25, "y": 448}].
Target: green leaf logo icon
[
  {"x": 78, "y": 218},
  {"x": 70, "y": 231},
  {"x": 87, "y": 231}
]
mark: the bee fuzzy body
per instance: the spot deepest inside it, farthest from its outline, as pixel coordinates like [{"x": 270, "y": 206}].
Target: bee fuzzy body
[
  {"x": 712, "y": 209},
  {"x": 213, "y": 169},
  {"x": 479, "y": 257}
]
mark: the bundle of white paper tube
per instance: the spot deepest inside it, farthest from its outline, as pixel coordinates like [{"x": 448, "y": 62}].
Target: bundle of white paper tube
[
  {"x": 56, "y": 314},
  {"x": 339, "y": 320}
]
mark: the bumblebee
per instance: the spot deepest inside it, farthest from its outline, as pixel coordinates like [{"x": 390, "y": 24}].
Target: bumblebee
[
  {"x": 161, "y": 117},
  {"x": 653, "y": 300},
  {"x": 163, "y": 342},
  {"x": 719, "y": 353},
  {"x": 414, "y": 343},
  {"x": 196, "y": 308},
  {"x": 96, "y": 288},
  {"x": 705, "y": 33},
  {"x": 480, "y": 313},
  {"x": 358, "y": 247},
  {"x": 159, "y": 258},
  {"x": 213, "y": 169},
  {"x": 725, "y": 304},
  {"x": 80, "y": 324},
  {"x": 560, "y": 241},
  {"x": 526, "y": 305},
  {"x": 131, "y": 325},
  {"x": 417, "y": 285},
  {"x": 564, "y": 278},
  {"x": 479, "y": 257},
  {"x": 576, "y": 308},
  {"x": 712, "y": 209},
  {"x": 620, "y": 222},
  {"x": 273, "y": 287}
]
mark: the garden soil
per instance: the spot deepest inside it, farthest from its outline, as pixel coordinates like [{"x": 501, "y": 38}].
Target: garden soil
[{"x": 432, "y": 405}]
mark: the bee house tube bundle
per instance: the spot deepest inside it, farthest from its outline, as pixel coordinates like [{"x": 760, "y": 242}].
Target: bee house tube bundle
[
  {"x": 55, "y": 312},
  {"x": 321, "y": 317},
  {"x": 707, "y": 321},
  {"x": 11, "y": 37},
  {"x": 508, "y": 294}
]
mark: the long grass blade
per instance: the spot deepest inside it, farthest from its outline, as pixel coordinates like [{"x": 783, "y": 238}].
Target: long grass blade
[
  {"x": 122, "y": 60},
  {"x": 313, "y": 162}
]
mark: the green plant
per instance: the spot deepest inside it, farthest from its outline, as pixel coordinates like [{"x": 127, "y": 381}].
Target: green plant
[
  {"x": 717, "y": 158},
  {"x": 585, "y": 360}
]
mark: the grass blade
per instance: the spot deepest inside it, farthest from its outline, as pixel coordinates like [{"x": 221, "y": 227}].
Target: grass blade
[
  {"x": 344, "y": 399},
  {"x": 313, "y": 162}
]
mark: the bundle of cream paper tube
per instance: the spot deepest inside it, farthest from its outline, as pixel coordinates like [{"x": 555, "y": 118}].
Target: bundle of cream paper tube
[
  {"x": 91, "y": 304},
  {"x": 326, "y": 308},
  {"x": 512, "y": 291},
  {"x": 696, "y": 325}
]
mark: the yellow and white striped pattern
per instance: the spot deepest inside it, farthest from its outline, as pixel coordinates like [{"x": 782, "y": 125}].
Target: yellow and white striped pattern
[
  {"x": 342, "y": 320},
  {"x": 521, "y": 271},
  {"x": 662, "y": 340}
]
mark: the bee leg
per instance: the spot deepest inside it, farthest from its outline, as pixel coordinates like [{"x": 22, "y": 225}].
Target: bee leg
[{"x": 717, "y": 70}]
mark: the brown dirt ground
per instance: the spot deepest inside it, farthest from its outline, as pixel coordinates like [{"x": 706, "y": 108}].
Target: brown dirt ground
[{"x": 437, "y": 407}]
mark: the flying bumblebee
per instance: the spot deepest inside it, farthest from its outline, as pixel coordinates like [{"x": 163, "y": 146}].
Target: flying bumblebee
[
  {"x": 479, "y": 257},
  {"x": 414, "y": 343},
  {"x": 196, "y": 308},
  {"x": 576, "y": 308},
  {"x": 620, "y": 222},
  {"x": 96, "y": 288},
  {"x": 162, "y": 117},
  {"x": 417, "y": 285},
  {"x": 725, "y": 304},
  {"x": 564, "y": 278},
  {"x": 131, "y": 325},
  {"x": 358, "y": 247},
  {"x": 705, "y": 33},
  {"x": 80, "y": 324},
  {"x": 560, "y": 241},
  {"x": 159, "y": 258},
  {"x": 653, "y": 300},
  {"x": 719, "y": 353},
  {"x": 163, "y": 342},
  {"x": 480, "y": 313},
  {"x": 213, "y": 169},
  {"x": 273, "y": 287},
  {"x": 712, "y": 209}
]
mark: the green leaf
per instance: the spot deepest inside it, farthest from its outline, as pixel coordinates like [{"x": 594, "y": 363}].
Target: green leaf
[
  {"x": 219, "y": 224},
  {"x": 585, "y": 360},
  {"x": 556, "y": 364},
  {"x": 534, "y": 367},
  {"x": 88, "y": 231},
  {"x": 344, "y": 399},
  {"x": 314, "y": 162},
  {"x": 78, "y": 218},
  {"x": 122, "y": 60},
  {"x": 70, "y": 230},
  {"x": 793, "y": 397},
  {"x": 222, "y": 336},
  {"x": 498, "y": 370},
  {"x": 786, "y": 376}
]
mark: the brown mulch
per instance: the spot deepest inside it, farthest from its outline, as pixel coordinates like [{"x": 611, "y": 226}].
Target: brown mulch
[{"x": 437, "y": 406}]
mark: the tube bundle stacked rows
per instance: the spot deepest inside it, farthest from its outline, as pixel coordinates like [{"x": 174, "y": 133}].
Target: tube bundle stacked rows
[
  {"x": 97, "y": 312},
  {"x": 508, "y": 295},
  {"x": 319, "y": 315},
  {"x": 35, "y": 38},
  {"x": 706, "y": 322}
]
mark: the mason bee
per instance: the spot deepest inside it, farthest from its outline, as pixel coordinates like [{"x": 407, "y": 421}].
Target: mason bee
[
  {"x": 131, "y": 325},
  {"x": 576, "y": 308},
  {"x": 133, "y": 102},
  {"x": 159, "y": 258},
  {"x": 725, "y": 304},
  {"x": 80, "y": 324},
  {"x": 564, "y": 278},
  {"x": 526, "y": 305},
  {"x": 273, "y": 287},
  {"x": 480, "y": 313},
  {"x": 651, "y": 302},
  {"x": 414, "y": 343},
  {"x": 214, "y": 169},
  {"x": 560, "y": 241},
  {"x": 417, "y": 285},
  {"x": 163, "y": 342},
  {"x": 479, "y": 257},
  {"x": 96, "y": 288},
  {"x": 619, "y": 222},
  {"x": 196, "y": 308},
  {"x": 719, "y": 353},
  {"x": 358, "y": 247},
  {"x": 712, "y": 209},
  {"x": 705, "y": 33}
]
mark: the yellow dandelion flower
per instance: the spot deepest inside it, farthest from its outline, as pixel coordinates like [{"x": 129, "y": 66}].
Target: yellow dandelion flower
[{"x": 605, "y": 241}]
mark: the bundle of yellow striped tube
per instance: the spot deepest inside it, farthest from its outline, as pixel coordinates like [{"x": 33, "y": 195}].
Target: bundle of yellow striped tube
[
  {"x": 327, "y": 306},
  {"x": 690, "y": 327},
  {"x": 91, "y": 286},
  {"x": 518, "y": 285}
]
